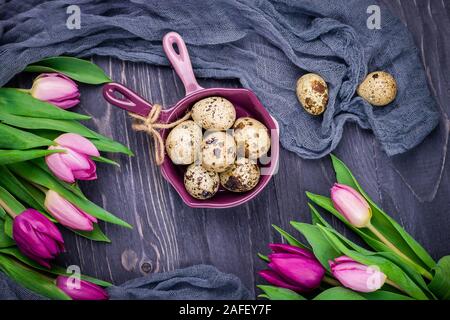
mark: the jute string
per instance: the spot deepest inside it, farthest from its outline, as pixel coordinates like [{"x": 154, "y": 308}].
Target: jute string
[{"x": 150, "y": 125}]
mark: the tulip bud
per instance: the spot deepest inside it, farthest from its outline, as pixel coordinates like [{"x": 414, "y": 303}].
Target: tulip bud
[
  {"x": 68, "y": 214},
  {"x": 75, "y": 162},
  {"x": 357, "y": 276},
  {"x": 293, "y": 268},
  {"x": 37, "y": 237},
  {"x": 56, "y": 89},
  {"x": 351, "y": 205},
  {"x": 79, "y": 289}
]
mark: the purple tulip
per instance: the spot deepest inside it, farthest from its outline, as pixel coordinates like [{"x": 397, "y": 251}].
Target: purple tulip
[
  {"x": 79, "y": 289},
  {"x": 56, "y": 89},
  {"x": 357, "y": 276},
  {"x": 293, "y": 268},
  {"x": 68, "y": 214},
  {"x": 37, "y": 237},
  {"x": 351, "y": 204},
  {"x": 75, "y": 163}
]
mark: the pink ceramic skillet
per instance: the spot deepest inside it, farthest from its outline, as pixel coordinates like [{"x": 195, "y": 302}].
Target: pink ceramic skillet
[{"x": 245, "y": 102}]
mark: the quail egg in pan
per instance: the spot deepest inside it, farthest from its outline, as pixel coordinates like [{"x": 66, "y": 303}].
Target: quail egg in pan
[
  {"x": 252, "y": 138},
  {"x": 218, "y": 151},
  {"x": 242, "y": 176},
  {"x": 201, "y": 183},
  {"x": 183, "y": 142},
  {"x": 214, "y": 113}
]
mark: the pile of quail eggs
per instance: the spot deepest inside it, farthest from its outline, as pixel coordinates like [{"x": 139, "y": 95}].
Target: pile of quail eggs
[{"x": 218, "y": 148}]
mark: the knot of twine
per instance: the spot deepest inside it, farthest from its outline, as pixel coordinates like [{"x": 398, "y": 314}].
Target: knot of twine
[{"x": 150, "y": 125}]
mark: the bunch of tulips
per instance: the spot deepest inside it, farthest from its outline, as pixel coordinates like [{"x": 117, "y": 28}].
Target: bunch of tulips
[
  {"x": 331, "y": 266},
  {"x": 44, "y": 151}
]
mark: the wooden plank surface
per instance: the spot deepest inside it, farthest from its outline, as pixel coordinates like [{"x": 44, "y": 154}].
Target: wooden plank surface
[{"x": 169, "y": 235}]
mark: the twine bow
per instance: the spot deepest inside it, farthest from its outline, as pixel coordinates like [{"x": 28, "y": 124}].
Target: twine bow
[{"x": 150, "y": 125}]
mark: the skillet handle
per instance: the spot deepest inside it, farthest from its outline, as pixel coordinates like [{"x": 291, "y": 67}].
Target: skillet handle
[
  {"x": 131, "y": 101},
  {"x": 180, "y": 61}
]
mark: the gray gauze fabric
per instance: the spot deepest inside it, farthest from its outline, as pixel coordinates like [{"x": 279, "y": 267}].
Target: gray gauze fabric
[
  {"x": 267, "y": 45},
  {"x": 200, "y": 282}
]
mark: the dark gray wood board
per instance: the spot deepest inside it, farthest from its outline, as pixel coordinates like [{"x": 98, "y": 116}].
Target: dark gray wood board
[{"x": 168, "y": 235}]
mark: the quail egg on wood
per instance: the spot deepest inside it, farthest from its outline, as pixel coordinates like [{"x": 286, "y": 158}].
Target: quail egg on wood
[
  {"x": 252, "y": 138},
  {"x": 218, "y": 151},
  {"x": 183, "y": 142},
  {"x": 242, "y": 176},
  {"x": 215, "y": 113},
  {"x": 312, "y": 92},
  {"x": 201, "y": 183},
  {"x": 379, "y": 88}
]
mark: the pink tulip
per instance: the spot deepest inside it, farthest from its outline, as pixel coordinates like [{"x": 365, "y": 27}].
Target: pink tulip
[
  {"x": 357, "y": 276},
  {"x": 75, "y": 163},
  {"x": 351, "y": 205},
  {"x": 293, "y": 268},
  {"x": 68, "y": 214},
  {"x": 37, "y": 237},
  {"x": 56, "y": 89},
  {"x": 79, "y": 289}
]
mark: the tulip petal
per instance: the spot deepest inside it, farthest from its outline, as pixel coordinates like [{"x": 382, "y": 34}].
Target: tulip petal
[
  {"x": 273, "y": 278},
  {"x": 78, "y": 143},
  {"x": 85, "y": 290},
  {"x": 304, "y": 272},
  {"x": 75, "y": 160},
  {"x": 66, "y": 213},
  {"x": 285, "y": 248},
  {"x": 58, "y": 167}
]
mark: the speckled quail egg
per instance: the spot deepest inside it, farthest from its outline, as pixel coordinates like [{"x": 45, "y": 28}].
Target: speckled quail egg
[
  {"x": 218, "y": 151},
  {"x": 312, "y": 92},
  {"x": 242, "y": 176},
  {"x": 252, "y": 138},
  {"x": 183, "y": 142},
  {"x": 215, "y": 113},
  {"x": 379, "y": 88},
  {"x": 201, "y": 183}
]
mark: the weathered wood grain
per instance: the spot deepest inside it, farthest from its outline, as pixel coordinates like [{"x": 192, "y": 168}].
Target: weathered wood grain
[{"x": 168, "y": 234}]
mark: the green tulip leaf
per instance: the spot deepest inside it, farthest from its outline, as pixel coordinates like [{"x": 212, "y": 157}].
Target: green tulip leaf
[
  {"x": 383, "y": 222},
  {"x": 18, "y": 103},
  {"x": 276, "y": 293},
  {"x": 3, "y": 213},
  {"x": 35, "y": 174},
  {"x": 384, "y": 295},
  {"x": 77, "y": 69},
  {"x": 321, "y": 247},
  {"x": 56, "y": 270},
  {"x": 290, "y": 239},
  {"x": 34, "y": 199},
  {"x": 8, "y": 228},
  {"x": 96, "y": 234},
  {"x": 106, "y": 160},
  {"x": 390, "y": 269},
  {"x": 12, "y": 156},
  {"x": 263, "y": 257},
  {"x": 10, "y": 201},
  {"x": 13, "y": 138},
  {"x": 5, "y": 240},
  {"x": 31, "y": 279},
  {"x": 339, "y": 293},
  {"x": 440, "y": 285}
]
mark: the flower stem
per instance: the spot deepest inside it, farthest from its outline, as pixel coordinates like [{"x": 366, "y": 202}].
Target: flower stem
[
  {"x": 391, "y": 246},
  {"x": 331, "y": 281},
  {"x": 38, "y": 186},
  {"x": 23, "y": 90},
  {"x": 393, "y": 284},
  {"x": 8, "y": 209}
]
